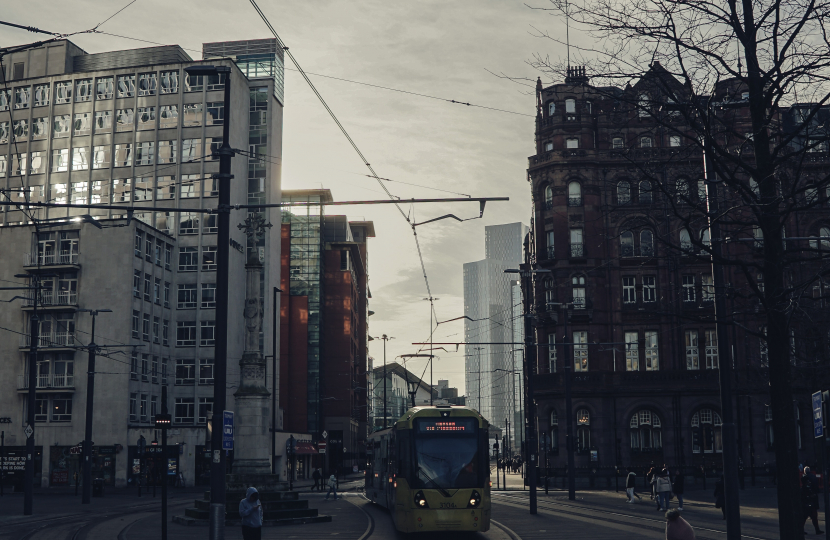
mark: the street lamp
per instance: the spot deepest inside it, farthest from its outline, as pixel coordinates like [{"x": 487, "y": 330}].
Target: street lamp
[
  {"x": 385, "y": 338},
  {"x": 412, "y": 386},
  {"x": 90, "y": 394},
  {"x": 220, "y": 362},
  {"x": 163, "y": 422}
]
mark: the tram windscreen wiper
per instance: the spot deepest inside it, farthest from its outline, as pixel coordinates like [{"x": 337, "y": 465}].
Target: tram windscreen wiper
[{"x": 443, "y": 491}]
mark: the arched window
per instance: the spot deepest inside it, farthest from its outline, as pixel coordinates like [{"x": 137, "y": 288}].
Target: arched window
[
  {"x": 583, "y": 430},
  {"x": 681, "y": 187},
  {"x": 643, "y": 106},
  {"x": 551, "y": 108},
  {"x": 685, "y": 240},
  {"x": 646, "y": 431},
  {"x": 623, "y": 192},
  {"x": 550, "y": 293},
  {"x": 823, "y": 241},
  {"x": 548, "y": 197},
  {"x": 570, "y": 105},
  {"x": 645, "y": 192},
  {"x": 578, "y": 290},
  {"x": 705, "y": 239},
  {"x": 554, "y": 432},
  {"x": 645, "y": 142},
  {"x": 554, "y": 418},
  {"x": 627, "y": 244},
  {"x": 574, "y": 194},
  {"x": 706, "y": 432},
  {"x": 646, "y": 243},
  {"x": 550, "y": 251}
]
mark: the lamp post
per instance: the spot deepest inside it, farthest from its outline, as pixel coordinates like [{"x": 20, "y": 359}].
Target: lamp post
[
  {"x": 217, "y": 467},
  {"x": 385, "y": 338},
  {"x": 569, "y": 413},
  {"x": 412, "y": 387},
  {"x": 163, "y": 422},
  {"x": 90, "y": 394},
  {"x": 496, "y": 449},
  {"x": 275, "y": 316}
]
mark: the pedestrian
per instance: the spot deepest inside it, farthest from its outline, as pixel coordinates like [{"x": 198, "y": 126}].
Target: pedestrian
[
  {"x": 662, "y": 487},
  {"x": 317, "y": 476},
  {"x": 651, "y": 476},
  {"x": 720, "y": 499},
  {"x": 678, "y": 488},
  {"x": 250, "y": 510},
  {"x": 809, "y": 498},
  {"x": 332, "y": 483},
  {"x": 630, "y": 483},
  {"x": 678, "y": 528}
]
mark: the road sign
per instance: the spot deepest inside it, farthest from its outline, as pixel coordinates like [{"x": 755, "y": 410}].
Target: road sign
[
  {"x": 325, "y": 434},
  {"x": 227, "y": 430},
  {"x": 818, "y": 429},
  {"x": 28, "y": 431},
  {"x": 321, "y": 447}
]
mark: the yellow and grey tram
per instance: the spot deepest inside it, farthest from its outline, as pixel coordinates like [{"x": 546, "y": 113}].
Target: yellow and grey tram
[{"x": 431, "y": 470}]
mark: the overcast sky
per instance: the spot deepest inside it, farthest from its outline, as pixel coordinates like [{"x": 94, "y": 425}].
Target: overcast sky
[{"x": 431, "y": 47}]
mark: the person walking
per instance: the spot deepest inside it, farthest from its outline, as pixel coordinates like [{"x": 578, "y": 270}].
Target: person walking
[
  {"x": 250, "y": 510},
  {"x": 809, "y": 498},
  {"x": 678, "y": 488},
  {"x": 317, "y": 476},
  {"x": 630, "y": 484},
  {"x": 720, "y": 498},
  {"x": 678, "y": 528},
  {"x": 662, "y": 486},
  {"x": 651, "y": 476},
  {"x": 332, "y": 483}
]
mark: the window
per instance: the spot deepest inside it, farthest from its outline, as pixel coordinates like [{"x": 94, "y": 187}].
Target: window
[
  {"x": 168, "y": 255},
  {"x": 189, "y": 223},
  {"x": 646, "y": 432},
  {"x": 574, "y": 194},
  {"x": 22, "y": 97},
  {"x": 645, "y": 142},
  {"x": 83, "y": 90},
  {"x": 209, "y": 258},
  {"x": 167, "y": 151},
  {"x": 103, "y": 88},
  {"x": 823, "y": 240},
  {"x": 583, "y": 430},
  {"x": 692, "y": 351},
  {"x": 643, "y": 106},
  {"x": 126, "y": 86},
  {"x": 215, "y": 145},
  {"x": 646, "y": 243},
  {"x": 157, "y": 292},
  {"x": 685, "y": 240},
  {"x": 37, "y": 163},
  {"x": 121, "y": 190},
  {"x": 146, "y": 117},
  {"x": 145, "y": 153},
  {"x": 185, "y": 371},
  {"x": 570, "y": 106},
  {"x": 551, "y": 108},
  {"x": 164, "y": 362},
  {"x": 167, "y": 294},
  {"x": 143, "y": 408},
  {"x": 649, "y": 289},
  {"x": 137, "y": 249},
  {"x": 101, "y": 156},
  {"x": 165, "y": 332},
  {"x": 552, "y": 353},
  {"x": 124, "y": 120},
  {"x": 580, "y": 344},
  {"x": 617, "y": 143},
  {"x": 133, "y": 407},
  {"x": 194, "y": 83},
  {"x": 632, "y": 352},
  {"x": 82, "y": 124},
  {"x": 169, "y": 82},
  {"x": 21, "y": 130},
  {"x": 206, "y": 371},
  {"x": 652, "y": 351},
  {"x": 629, "y": 290},
  {"x": 183, "y": 411},
  {"x": 157, "y": 252},
  {"x": 61, "y": 126},
  {"x": 549, "y": 235},
  {"x": 80, "y": 159},
  {"x": 147, "y": 83},
  {"x": 682, "y": 190},
  {"x": 137, "y": 283},
  {"x": 205, "y": 409},
  {"x": 623, "y": 192},
  {"x": 5, "y": 98},
  {"x": 550, "y": 294},
  {"x": 688, "y": 292},
  {"x": 154, "y": 407},
  {"x": 712, "y": 349},
  {"x": 759, "y": 237},
  {"x": 548, "y": 197},
  {"x": 764, "y": 352},
  {"x": 40, "y": 128},
  {"x": 674, "y": 140},
  {"x": 207, "y": 335},
  {"x": 63, "y": 92},
  {"x": 186, "y": 296},
  {"x": 578, "y": 283},
  {"x": 147, "y": 286},
  {"x": 154, "y": 372},
  {"x": 215, "y": 113},
  {"x": 707, "y": 288},
  {"x": 136, "y": 324},
  {"x": 576, "y": 243},
  {"x": 145, "y": 327},
  {"x": 572, "y": 143},
  {"x": 186, "y": 334},
  {"x": 627, "y": 244},
  {"x": 548, "y": 146},
  {"x": 169, "y": 116},
  {"x": 41, "y": 95},
  {"x": 188, "y": 259},
  {"x": 103, "y": 122},
  {"x": 192, "y": 114},
  {"x": 212, "y": 225},
  {"x": 706, "y": 432},
  {"x": 208, "y": 295}
]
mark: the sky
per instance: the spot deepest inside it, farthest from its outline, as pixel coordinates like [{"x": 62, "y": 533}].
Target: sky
[{"x": 434, "y": 47}]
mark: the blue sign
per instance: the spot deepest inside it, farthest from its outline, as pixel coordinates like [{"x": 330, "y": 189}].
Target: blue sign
[
  {"x": 818, "y": 429},
  {"x": 227, "y": 430}
]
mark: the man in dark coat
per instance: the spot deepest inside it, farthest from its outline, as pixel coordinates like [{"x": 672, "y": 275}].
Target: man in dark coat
[
  {"x": 720, "y": 497},
  {"x": 678, "y": 489},
  {"x": 316, "y": 475},
  {"x": 809, "y": 498}
]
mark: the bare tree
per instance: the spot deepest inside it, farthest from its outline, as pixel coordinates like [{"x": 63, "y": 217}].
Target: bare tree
[{"x": 747, "y": 85}]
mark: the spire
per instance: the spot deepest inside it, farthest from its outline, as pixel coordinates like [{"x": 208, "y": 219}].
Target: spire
[{"x": 538, "y": 96}]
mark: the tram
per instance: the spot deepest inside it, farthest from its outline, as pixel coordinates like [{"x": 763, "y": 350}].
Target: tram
[{"x": 431, "y": 470}]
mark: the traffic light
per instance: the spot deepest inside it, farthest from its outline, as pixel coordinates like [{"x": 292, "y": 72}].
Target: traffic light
[{"x": 163, "y": 421}]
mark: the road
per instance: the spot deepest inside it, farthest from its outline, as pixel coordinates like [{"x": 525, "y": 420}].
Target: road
[{"x": 594, "y": 514}]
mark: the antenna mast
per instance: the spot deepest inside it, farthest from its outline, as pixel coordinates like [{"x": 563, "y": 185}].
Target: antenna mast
[{"x": 568, "y": 34}]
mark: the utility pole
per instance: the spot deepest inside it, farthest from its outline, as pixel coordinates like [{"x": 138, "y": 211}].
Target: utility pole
[
  {"x": 163, "y": 421},
  {"x": 730, "y": 451},
  {"x": 90, "y": 394},
  {"x": 385, "y": 338},
  {"x": 220, "y": 362},
  {"x": 431, "y": 358},
  {"x": 34, "y": 327},
  {"x": 275, "y": 316},
  {"x": 567, "y": 364}
]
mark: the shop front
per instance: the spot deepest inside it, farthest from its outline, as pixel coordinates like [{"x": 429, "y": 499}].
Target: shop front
[
  {"x": 152, "y": 467},
  {"x": 13, "y": 465},
  {"x": 65, "y": 463}
]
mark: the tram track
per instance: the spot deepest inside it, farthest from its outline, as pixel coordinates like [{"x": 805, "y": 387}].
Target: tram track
[{"x": 622, "y": 518}]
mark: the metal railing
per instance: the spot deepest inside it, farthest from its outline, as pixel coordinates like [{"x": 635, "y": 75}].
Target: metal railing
[
  {"x": 51, "y": 258},
  {"x": 53, "y": 340},
  {"x": 575, "y": 200},
  {"x": 577, "y": 250},
  {"x": 54, "y": 380},
  {"x": 53, "y": 298}
]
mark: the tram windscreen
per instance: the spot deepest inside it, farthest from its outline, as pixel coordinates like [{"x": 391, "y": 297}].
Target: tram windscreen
[{"x": 446, "y": 453}]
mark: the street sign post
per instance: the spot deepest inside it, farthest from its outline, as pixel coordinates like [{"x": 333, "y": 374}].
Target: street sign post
[{"x": 227, "y": 430}]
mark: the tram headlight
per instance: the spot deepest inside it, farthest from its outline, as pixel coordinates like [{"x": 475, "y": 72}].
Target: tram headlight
[
  {"x": 420, "y": 500},
  {"x": 475, "y": 500}
]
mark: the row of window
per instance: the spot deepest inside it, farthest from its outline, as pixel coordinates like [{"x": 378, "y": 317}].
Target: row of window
[
  {"x": 86, "y": 158},
  {"x": 153, "y": 249},
  {"x": 648, "y": 287},
  {"x": 618, "y": 143},
  {"x": 154, "y": 289},
  {"x": 125, "y": 120},
  {"x": 145, "y": 367},
  {"x": 144, "y": 407},
  {"x": 186, "y": 371},
  {"x": 103, "y": 88},
  {"x": 149, "y": 327}
]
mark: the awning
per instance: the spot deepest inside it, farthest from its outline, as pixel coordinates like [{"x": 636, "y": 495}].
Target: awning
[{"x": 305, "y": 447}]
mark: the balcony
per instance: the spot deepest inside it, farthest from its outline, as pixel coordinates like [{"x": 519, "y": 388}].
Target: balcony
[
  {"x": 577, "y": 251},
  {"x": 53, "y": 299},
  {"x": 575, "y": 200},
  {"x": 550, "y": 254},
  {"x": 52, "y": 259},
  {"x": 55, "y": 340},
  {"x": 45, "y": 382}
]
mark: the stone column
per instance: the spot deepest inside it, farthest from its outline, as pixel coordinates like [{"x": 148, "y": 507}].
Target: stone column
[{"x": 253, "y": 405}]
